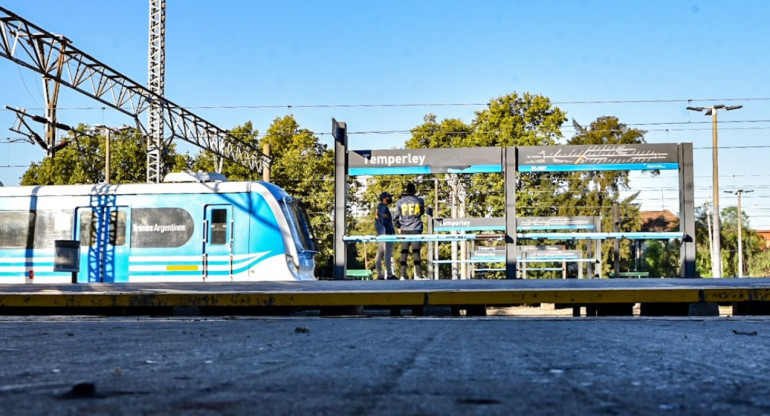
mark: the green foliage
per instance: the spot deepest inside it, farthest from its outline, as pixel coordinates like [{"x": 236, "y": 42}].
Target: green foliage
[
  {"x": 594, "y": 192},
  {"x": 758, "y": 261},
  {"x": 702, "y": 243},
  {"x": 661, "y": 258},
  {"x": 83, "y": 160},
  {"x": 206, "y": 161}
]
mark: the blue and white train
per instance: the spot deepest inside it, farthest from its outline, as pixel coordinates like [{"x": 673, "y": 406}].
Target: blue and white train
[{"x": 169, "y": 232}]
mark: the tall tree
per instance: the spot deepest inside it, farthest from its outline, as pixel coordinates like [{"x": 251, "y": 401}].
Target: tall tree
[
  {"x": 208, "y": 162},
  {"x": 513, "y": 120},
  {"x": 595, "y": 192}
]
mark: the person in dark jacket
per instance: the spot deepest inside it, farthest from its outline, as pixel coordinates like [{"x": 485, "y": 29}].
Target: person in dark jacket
[
  {"x": 383, "y": 223},
  {"x": 408, "y": 219}
]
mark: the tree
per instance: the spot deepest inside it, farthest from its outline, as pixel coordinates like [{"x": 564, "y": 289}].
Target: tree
[
  {"x": 206, "y": 161},
  {"x": 82, "y": 161},
  {"x": 702, "y": 241},
  {"x": 755, "y": 259},
  {"x": 594, "y": 192}
]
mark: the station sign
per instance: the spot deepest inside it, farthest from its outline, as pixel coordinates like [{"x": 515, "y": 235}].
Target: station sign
[
  {"x": 530, "y": 253},
  {"x": 469, "y": 224},
  {"x": 555, "y": 223},
  {"x": 598, "y": 157},
  {"x": 425, "y": 161},
  {"x": 522, "y": 223},
  {"x": 546, "y": 253},
  {"x": 489, "y": 251}
]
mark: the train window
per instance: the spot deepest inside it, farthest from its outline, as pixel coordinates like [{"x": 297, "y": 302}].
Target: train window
[
  {"x": 218, "y": 226},
  {"x": 89, "y": 228},
  {"x": 299, "y": 223},
  {"x": 117, "y": 228},
  {"x": 160, "y": 227},
  {"x": 51, "y": 226},
  {"x": 16, "y": 229}
]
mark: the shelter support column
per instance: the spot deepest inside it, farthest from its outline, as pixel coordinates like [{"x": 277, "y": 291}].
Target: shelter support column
[
  {"x": 510, "y": 168},
  {"x": 340, "y": 133},
  {"x": 687, "y": 210}
]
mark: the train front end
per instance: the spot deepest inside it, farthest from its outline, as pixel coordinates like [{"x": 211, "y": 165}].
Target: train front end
[{"x": 300, "y": 244}]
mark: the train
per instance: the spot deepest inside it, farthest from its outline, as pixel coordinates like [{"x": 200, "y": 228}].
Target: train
[{"x": 201, "y": 231}]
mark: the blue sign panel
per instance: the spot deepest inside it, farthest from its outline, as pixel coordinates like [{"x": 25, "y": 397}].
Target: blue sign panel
[
  {"x": 425, "y": 161},
  {"x": 598, "y": 157}
]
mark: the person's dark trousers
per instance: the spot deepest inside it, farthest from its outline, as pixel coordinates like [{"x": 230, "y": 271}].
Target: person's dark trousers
[{"x": 415, "y": 246}]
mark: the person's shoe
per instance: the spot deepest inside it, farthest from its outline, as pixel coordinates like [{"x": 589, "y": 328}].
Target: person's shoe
[
  {"x": 421, "y": 278},
  {"x": 392, "y": 278}
]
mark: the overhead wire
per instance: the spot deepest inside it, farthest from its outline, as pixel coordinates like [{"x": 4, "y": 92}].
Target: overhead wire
[{"x": 449, "y": 104}]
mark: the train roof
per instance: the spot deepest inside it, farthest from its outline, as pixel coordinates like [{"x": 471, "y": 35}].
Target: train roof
[{"x": 140, "y": 189}]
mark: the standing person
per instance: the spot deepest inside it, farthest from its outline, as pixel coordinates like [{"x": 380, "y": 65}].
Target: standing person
[
  {"x": 408, "y": 219},
  {"x": 383, "y": 223}
]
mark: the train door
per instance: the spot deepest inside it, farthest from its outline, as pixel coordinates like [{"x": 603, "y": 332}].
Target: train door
[
  {"x": 218, "y": 243},
  {"x": 103, "y": 244}
]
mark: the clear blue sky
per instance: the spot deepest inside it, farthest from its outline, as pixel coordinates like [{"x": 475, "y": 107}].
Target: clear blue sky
[{"x": 638, "y": 60}]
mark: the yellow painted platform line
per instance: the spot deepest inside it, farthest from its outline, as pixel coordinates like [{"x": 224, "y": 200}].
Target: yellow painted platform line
[
  {"x": 736, "y": 295},
  {"x": 138, "y": 300},
  {"x": 414, "y": 297},
  {"x": 572, "y": 296}
]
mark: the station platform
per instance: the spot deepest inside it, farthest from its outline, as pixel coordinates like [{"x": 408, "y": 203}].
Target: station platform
[{"x": 471, "y": 294}]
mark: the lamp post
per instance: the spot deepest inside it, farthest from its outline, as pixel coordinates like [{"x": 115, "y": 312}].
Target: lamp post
[
  {"x": 740, "y": 228},
  {"x": 716, "y": 245}
]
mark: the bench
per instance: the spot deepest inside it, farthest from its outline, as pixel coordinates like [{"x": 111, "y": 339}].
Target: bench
[
  {"x": 631, "y": 274},
  {"x": 360, "y": 274}
]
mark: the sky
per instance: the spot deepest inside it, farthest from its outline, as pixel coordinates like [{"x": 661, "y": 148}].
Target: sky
[{"x": 381, "y": 66}]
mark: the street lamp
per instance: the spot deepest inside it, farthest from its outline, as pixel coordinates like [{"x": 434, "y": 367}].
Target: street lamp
[
  {"x": 740, "y": 228},
  {"x": 716, "y": 246},
  {"x": 107, "y": 131}
]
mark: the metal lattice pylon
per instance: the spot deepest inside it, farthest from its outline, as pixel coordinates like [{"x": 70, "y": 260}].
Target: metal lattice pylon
[{"x": 156, "y": 81}]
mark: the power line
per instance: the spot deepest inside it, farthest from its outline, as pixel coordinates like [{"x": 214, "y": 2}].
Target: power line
[{"x": 449, "y": 104}]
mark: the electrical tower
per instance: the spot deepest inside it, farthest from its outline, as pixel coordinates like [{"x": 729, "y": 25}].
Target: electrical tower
[
  {"x": 54, "y": 57},
  {"x": 155, "y": 82}
]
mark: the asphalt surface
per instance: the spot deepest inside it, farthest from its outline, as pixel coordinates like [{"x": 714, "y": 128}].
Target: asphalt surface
[{"x": 384, "y": 366}]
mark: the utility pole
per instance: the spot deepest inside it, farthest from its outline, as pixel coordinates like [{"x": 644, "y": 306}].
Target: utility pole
[
  {"x": 740, "y": 228},
  {"x": 107, "y": 139},
  {"x": 716, "y": 256},
  {"x": 616, "y": 241},
  {"x": 51, "y": 88}
]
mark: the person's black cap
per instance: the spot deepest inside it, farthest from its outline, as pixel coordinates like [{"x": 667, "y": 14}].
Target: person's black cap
[{"x": 385, "y": 195}]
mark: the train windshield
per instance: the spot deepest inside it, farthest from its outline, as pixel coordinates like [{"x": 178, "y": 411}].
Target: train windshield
[{"x": 299, "y": 222}]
